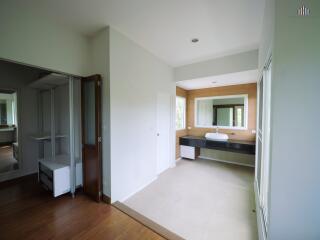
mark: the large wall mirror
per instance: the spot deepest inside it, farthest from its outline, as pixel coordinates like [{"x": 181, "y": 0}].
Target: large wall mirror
[
  {"x": 9, "y": 147},
  {"x": 229, "y": 112}
]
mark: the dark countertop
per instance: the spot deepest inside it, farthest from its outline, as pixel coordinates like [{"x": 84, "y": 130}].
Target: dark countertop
[
  {"x": 230, "y": 140},
  {"x": 239, "y": 146}
]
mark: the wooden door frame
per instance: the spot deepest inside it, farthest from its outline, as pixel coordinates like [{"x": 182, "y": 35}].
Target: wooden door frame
[{"x": 98, "y": 122}]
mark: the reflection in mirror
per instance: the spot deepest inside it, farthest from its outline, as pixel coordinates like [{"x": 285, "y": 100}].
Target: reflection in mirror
[
  {"x": 3, "y": 112},
  {"x": 9, "y": 159},
  {"x": 222, "y": 111}
]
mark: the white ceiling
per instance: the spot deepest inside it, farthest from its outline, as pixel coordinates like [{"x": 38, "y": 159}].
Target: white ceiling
[
  {"x": 166, "y": 27},
  {"x": 221, "y": 80}
]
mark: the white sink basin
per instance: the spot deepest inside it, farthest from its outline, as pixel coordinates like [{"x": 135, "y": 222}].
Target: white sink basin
[{"x": 217, "y": 136}]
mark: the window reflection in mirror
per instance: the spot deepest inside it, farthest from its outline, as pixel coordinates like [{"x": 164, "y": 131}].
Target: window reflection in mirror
[
  {"x": 223, "y": 111},
  {"x": 7, "y": 108},
  {"x": 180, "y": 113},
  {"x": 3, "y": 112}
]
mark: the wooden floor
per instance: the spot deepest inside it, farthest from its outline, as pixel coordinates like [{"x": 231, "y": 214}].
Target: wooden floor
[
  {"x": 7, "y": 161},
  {"x": 29, "y": 212}
]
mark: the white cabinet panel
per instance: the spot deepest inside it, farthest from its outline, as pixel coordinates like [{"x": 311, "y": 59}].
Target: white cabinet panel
[{"x": 188, "y": 152}]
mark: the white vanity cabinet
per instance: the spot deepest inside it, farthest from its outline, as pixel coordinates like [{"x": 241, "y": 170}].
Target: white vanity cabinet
[{"x": 189, "y": 152}]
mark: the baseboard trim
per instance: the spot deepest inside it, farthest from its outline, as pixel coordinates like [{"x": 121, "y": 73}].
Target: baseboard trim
[
  {"x": 155, "y": 227},
  {"x": 260, "y": 222},
  {"x": 174, "y": 164},
  {"x": 226, "y": 161},
  {"x": 106, "y": 199},
  {"x": 19, "y": 179},
  {"x": 14, "y": 174},
  {"x": 139, "y": 189},
  {"x": 2, "y": 144}
]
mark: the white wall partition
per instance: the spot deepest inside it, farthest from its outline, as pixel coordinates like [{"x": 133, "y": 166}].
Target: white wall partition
[
  {"x": 28, "y": 36},
  {"x": 219, "y": 66},
  {"x": 136, "y": 78}
]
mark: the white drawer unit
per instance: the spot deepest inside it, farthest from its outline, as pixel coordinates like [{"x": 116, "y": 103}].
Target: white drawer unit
[
  {"x": 55, "y": 175},
  {"x": 189, "y": 152}
]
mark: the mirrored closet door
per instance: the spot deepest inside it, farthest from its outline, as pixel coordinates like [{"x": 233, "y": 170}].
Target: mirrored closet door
[{"x": 9, "y": 146}]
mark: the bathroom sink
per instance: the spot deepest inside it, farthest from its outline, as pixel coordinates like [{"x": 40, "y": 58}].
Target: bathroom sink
[{"x": 217, "y": 136}]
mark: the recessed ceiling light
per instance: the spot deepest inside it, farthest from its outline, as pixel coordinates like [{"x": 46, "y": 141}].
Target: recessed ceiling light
[
  {"x": 303, "y": 11},
  {"x": 194, "y": 40}
]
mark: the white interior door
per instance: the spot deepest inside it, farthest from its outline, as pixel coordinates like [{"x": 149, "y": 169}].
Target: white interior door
[{"x": 163, "y": 131}]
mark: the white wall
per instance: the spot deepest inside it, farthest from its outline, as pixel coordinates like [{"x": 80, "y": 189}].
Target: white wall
[
  {"x": 136, "y": 77},
  {"x": 17, "y": 78},
  {"x": 267, "y": 34},
  {"x": 295, "y": 114},
  {"x": 229, "y": 64},
  {"x": 27, "y": 112},
  {"x": 29, "y": 37},
  {"x": 131, "y": 80},
  {"x": 62, "y": 118}
]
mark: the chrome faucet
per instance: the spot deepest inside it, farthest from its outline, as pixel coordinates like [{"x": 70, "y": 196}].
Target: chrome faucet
[{"x": 217, "y": 130}]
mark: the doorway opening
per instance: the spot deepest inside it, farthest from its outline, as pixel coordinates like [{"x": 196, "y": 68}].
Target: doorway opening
[
  {"x": 211, "y": 187},
  {"x": 43, "y": 127}
]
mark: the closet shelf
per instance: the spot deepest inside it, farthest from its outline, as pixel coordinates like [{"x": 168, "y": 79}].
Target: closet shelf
[
  {"x": 47, "y": 137},
  {"x": 50, "y": 81},
  {"x": 60, "y": 161}
]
